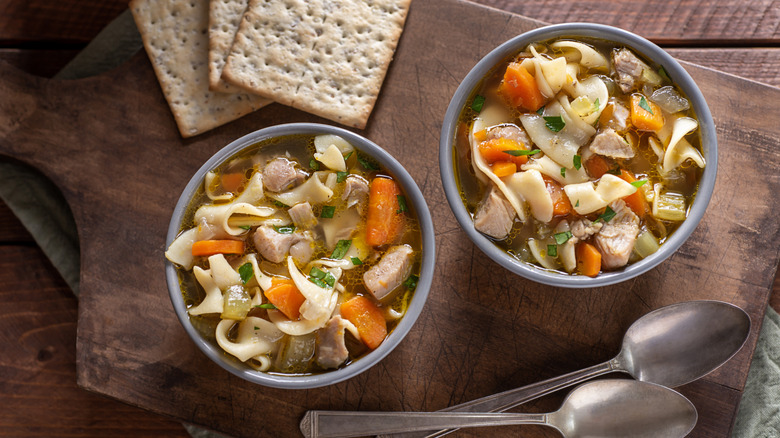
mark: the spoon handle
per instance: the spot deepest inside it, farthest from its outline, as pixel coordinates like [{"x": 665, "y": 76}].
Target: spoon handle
[
  {"x": 508, "y": 399},
  {"x": 331, "y": 424}
]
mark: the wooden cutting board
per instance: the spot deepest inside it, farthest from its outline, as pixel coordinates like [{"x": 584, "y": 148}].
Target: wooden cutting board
[{"x": 110, "y": 144}]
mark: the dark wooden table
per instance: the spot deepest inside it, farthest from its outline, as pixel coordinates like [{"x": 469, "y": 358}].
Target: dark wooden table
[{"x": 38, "y": 393}]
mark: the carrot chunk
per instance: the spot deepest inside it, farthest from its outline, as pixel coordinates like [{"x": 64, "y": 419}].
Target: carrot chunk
[
  {"x": 205, "y": 248},
  {"x": 368, "y": 319},
  {"x": 635, "y": 201},
  {"x": 503, "y": 168},
  {"x": 231, "y": 182},
  {"x": 561, "y": 203},
  {"x": 286, "y": 297},
  {"x": 385, "y": 221},
  {"x": 519, "y": 88},
  {"x": 495, "y": 150},
  {"x": 596, "y": 166},
  {"x": 588, "y": 259},
  {"x": 641, "y": 118}
]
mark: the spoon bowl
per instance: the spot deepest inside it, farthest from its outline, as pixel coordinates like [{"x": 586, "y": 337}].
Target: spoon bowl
[{"x": 604, "y": 408}]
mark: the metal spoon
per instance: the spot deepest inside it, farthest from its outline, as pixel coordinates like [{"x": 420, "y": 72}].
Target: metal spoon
[
  {"x": 670, "y": 346},
  {"x": 605, "y": 408}
]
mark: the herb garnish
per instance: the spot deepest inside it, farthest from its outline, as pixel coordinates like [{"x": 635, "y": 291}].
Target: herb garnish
[
  {"x": 314, "y": 164},
  {"x": 552, "y": 250},
  {"x": 645, "y": 106},
  {"x": 341, "y": 249},
  {"x": 562, "y": 237},
  {"x": 287, "y": 229},
  {"x": 265, "y": 306},
  {"x": 246, "y": 272},
  {"x": 540, "y": 111},
  {"x": 476, "y": 105},
  {"x": 563, "y": 172},
  {"x": 554, "y": 123},
  {"x": 356, "y": 261},
  {"x": 521, "y": 152},
  {"x": 402, "y": 208},
  {"x": 321, "y": 278},
  {"x": 615, "y": 171},
  {"x": 607, "y": 216},
  {"x": 245, "y": 227},
  {"x": 341, "y": 176},
  {"x": 411, "y": 282},
  {"x": 639, "y": 183},
  {"x": 663, "y": 74},
  {"x": 596, "y": 105},
  {"x": 577, "y": 160},
  {"x": 365, "y": 163},
  {"x": 346, "y": 157},
  {"x": 328, "y": 211},
  {"x": 577, "y": 204},
  {"x": 279, "y": 204}
]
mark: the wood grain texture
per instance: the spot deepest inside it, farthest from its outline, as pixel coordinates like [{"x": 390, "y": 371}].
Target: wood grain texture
[
  {"x": 536, "y": 332},
  {"x": 56, "y": 22}
]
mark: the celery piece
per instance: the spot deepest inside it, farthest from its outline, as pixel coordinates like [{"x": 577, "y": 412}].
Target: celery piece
[
  {"x": 646, "y": 244},
  {"x": 669, "y": 206},
  {"x": 237, "y": 303}
]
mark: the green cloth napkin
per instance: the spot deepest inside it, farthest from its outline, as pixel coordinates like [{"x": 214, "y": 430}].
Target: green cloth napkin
[{"x": 43, "y": 211}]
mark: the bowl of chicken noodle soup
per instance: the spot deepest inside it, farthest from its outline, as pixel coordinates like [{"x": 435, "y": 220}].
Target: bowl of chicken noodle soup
[
  {"x": 299, "y": 255},
  {"x": 578, "y": 155}
]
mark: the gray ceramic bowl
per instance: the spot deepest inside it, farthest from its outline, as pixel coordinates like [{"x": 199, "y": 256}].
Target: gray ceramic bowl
[
  {"x": 413, "y": 195},
  {"x": 678, "y": 75}
]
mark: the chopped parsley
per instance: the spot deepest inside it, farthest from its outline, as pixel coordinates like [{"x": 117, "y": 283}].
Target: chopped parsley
[
  {"x": 246, "y": 272},
  {"x": 563, "y": 172},
  {"x": 321, "y": 278},
  {"x": 477, "y": 103},
  {"x": 562, "y": 237},
  {"x": 314, "y": 164},
  {"x": 245, "y": 227},
  {"x": 341, "y": 176},
  {"x": 279, "y": 204},
  {"x": 366, "y": 164},
  {"x": 577, "y": 161},
  {"x": 346, "y": 157},
  {"x": 328, "y": 211},
  {"x": 615, "y": 171},
  {"x": 356, "y": 261},
  {"x": 288, "y": 229},
  {"x": 577, "y": 204},
  {"x": 596, "y": 105},
  {"x": 265, "y": 306},
  {"x": 540, "y": 111},
  {"x": 663, "y": 74},
  {"x": 607, "y": 216},
  {"x": 521, "y": 152},
  {"x": 639, "y": 183},
  {"x": 341, "y": 249},
  {"x": 554, "y": 123},
  {"x": 411, "y": 282},
  {"x": 644, "y": 105},
  {"x": 552, "y": 250},
  {"x": 402, "y": 208}
]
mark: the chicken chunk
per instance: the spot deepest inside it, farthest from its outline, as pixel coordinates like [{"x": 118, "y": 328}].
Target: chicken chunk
[
  {"x": 302, "y": 215},
  {"x": 274, "y": 246},
  {"x": 629, "y": 69},
  {"x": 495, "y": 215},
  {"x": 510, "y": 132},
  {"x": 583, "y": 228},
  {"x": 609, "y": 143},
  {"x": 355, "y": 191},
  {"x": 331, "y": 348},
  {"x": 393, "y": 268},
  {"x": 619, "y": 118},
  {"x": 616, "y": 239},
  {"x": 280, "y": 174}
]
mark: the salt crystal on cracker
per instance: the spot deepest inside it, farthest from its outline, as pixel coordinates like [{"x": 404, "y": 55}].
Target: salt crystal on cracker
[
  {"x": 328, "y": 58},
  {"x": 175, "y": 35}
]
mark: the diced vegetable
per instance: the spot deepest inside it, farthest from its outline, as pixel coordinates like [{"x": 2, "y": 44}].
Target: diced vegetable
[
  {"x": 504, "y": 168},
  {"x": 646, "y": 244},
  {"x": 669, "y": 206},
  {"x": 384, "y": 223},
  {"x": 645, "y": 115},
  {"x": 520, "y": 89},
  {"x": 670, "y": 100},
  {"x": 295, "y": 352},
  {"x": 231, "y": 182},
  {"x": 368, "y": 319},
  {"x": 286, "y": 297},
  {"x": 597, "y": 166},
  {"x": 494, "y": 150},
  {"x": 561, "y": 203},
  {"x": 237, "y": 303},
  {"x": 588, "y": 259},
  {"x": 205, "y": 248},
  {"x": 480, "y": 135},
  {"x": 635, "y": 201}
]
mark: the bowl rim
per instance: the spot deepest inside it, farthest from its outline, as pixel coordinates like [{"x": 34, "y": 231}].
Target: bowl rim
[
  {"x": 589, "y": 30},
  {"x": 413, "y": 194}
]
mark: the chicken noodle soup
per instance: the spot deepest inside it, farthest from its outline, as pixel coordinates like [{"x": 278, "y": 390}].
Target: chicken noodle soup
[
  {"x": 298, "y": 255},
  {"x": 578, "y": 156}
]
